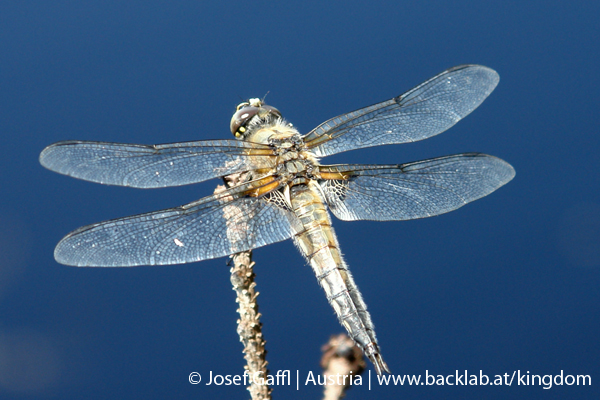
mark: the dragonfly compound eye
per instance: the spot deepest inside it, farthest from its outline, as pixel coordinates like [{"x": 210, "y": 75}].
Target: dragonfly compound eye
[{"x": 246, "y": 112}]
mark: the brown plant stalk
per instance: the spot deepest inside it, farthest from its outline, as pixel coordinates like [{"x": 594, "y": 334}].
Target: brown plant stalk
[{"x": 249, "y": 326}]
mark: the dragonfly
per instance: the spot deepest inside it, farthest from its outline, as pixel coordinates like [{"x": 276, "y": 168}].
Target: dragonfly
[{"x": 287, "y": 193}]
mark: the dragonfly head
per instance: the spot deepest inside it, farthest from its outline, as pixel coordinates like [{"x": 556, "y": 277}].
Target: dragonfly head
[{"x": 249, "y": 111}]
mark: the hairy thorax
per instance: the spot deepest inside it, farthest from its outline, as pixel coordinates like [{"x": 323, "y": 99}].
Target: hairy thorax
[{"x": 295, "y": 164}]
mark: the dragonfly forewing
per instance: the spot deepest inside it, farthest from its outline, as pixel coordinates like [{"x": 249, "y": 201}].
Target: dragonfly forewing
[
  {"x": 422, "y": 112},
  {"x": 154, "y": 166}
]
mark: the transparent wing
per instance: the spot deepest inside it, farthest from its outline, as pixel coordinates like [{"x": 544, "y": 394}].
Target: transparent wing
[
  {"x": 154, "y": 166},
  {"x": 215, "y": 226},
  {"x": 428, "y": 109},
  {"x": 413, "y": 190}
]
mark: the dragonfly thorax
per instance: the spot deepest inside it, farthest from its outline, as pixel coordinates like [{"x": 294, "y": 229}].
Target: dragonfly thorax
[{"x": 294, "y": 160}]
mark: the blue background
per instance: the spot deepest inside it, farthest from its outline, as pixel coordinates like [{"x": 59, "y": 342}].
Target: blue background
[{"x": 510, "y": 282}]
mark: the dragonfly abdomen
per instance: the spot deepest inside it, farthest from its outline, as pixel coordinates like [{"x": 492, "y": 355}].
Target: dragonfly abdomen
[{"x": 319, "y": 245}]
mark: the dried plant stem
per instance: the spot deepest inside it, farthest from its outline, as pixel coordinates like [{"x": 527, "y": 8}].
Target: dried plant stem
[
  {"x": 249, "y": 327},
  {"x": 341, "y": 358}
]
